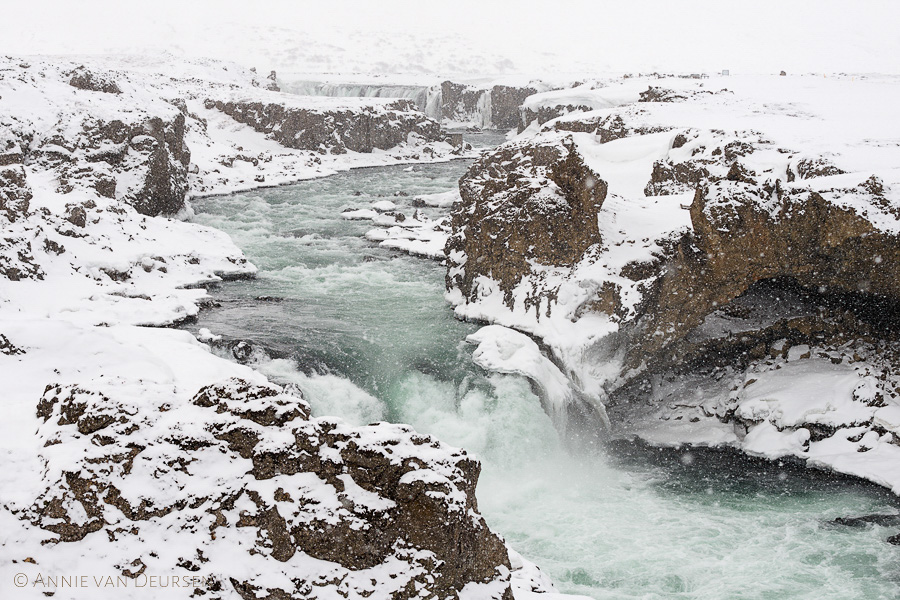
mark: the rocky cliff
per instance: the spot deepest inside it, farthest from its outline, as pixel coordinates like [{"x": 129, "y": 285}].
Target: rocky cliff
[
  {"x": 521, "y": 205},
  {"x": 464, "y": 103},
  {"x": 495, "y": 106},
  {"x": 715, "y": 261},
  {"x": 370, "y": 125},
  {"x": 505, "y": 104}
]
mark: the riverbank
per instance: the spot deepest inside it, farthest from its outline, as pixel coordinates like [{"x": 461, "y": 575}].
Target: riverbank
[{"x": 132, "y": 452}]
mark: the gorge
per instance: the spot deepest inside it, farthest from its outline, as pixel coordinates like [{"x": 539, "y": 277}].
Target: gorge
[{"x": 668, "y": 299}]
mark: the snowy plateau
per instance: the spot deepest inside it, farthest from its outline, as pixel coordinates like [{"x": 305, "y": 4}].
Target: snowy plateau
[{"x": 686, "y": 262}]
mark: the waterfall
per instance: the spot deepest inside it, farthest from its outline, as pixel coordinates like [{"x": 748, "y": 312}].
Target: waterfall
[{"x": 421, "y": 95}]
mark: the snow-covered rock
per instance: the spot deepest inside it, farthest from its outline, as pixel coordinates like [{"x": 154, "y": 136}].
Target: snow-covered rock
[{"x": 748, "y": 236}]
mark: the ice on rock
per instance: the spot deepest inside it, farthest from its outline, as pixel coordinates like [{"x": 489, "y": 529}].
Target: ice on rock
[
  {"x": 503, "y": 350},
  {"x": 383, "y": 206}
]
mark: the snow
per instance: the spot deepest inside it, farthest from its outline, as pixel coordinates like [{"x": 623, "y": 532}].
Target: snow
[
  {"x": 383, "y": 206},
  {"x": 83, "y": 329},
  {"x": 586, "y": 97},
  {"x": 503, "y": 350},
  {"x": 398, "y": 36},
  {"x": 805, "y": 392},
  {"x": 440, "y": 200},
  {"x": 81, "y": 325}
]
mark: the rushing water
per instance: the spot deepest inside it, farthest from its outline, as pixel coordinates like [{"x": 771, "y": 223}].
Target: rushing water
[{"x": 366, "y": 334}]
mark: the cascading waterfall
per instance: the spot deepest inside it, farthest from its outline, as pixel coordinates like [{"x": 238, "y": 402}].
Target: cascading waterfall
[
  {"x": 427, "y": 98},
  {"x": 365, "y": 333}
]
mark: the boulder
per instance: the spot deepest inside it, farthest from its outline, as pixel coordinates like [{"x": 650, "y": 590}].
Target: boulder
[
  {"x": 361, "y": 499},
  {"x": 84, "y": 79},
  {"x": 523, "y": 202}
]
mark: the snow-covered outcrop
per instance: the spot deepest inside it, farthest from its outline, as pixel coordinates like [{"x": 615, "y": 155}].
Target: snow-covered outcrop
[
  {"x": 335, "y": 126},
  {"x": 135, "y": 453},
  {"x": 241, "y": 469},
  {"x": 745, "y": 242},
  {"x": 78, "y": 124}
]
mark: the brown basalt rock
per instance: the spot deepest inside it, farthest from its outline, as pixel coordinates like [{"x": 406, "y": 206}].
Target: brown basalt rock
[
  {"x": 505, "y": 104},
  {"x": 105, "y": 186},
  {"x": 357, "y": 497},
  {"x": 809, "y": 168},
  {"x": 15, "y": 193},
  {"x": 166, "y": 158},
  {"x": 524, "y": 202},
  {"x": 8, "y": 348},
  {"x": 84, "y": 79},
  {"x": 675, "y": 178},
  {"x": 76, "y": 215},
  {"x": 658, "y": 94},
  {"x": 744, "y": 234},
  {"x": 679, "y": 141},
  {"x": 335, "y": 131},
  {"x": 10, "y": 153},
  {"x": 607, "y": 129}
]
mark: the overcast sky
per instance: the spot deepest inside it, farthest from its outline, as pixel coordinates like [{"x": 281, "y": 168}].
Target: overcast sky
[{"x": 475, "y": 35}]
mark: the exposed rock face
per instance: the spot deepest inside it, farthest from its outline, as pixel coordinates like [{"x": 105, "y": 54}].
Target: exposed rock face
[
  {"x": 497, "y": 106},
  {"x": 525, "y": 202},
  {"x": 10, "y": 150},
  {"x": 745, "y": 226},
  {"x": 675, "y": 178},
  {"x": 16, "y": 251},
  {"x": 364, "y": 498},
  {"x": 658, "y": 94},
  {"x": 505, "y": 104},
  {"x": 461, "y": 102},
  {"x": 607, "y": 129},
  {"x": 150, "y": 153},
  {"x": 84, "y": 79},
  {"x": 15, "y": 193},
  {"x": 8, "y": 348},
  {"x": 808, "y": 168},
  {"x": 745, "y": 233},
  {"x": 329, "y": 130},
  {"x": 528, "y": 115},
  {"x": 272, "y": 82},
  {"x": 167, "y": 158}
]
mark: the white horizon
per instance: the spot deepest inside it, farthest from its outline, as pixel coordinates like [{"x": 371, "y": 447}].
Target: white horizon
[{"x": 475, "y": 38}]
